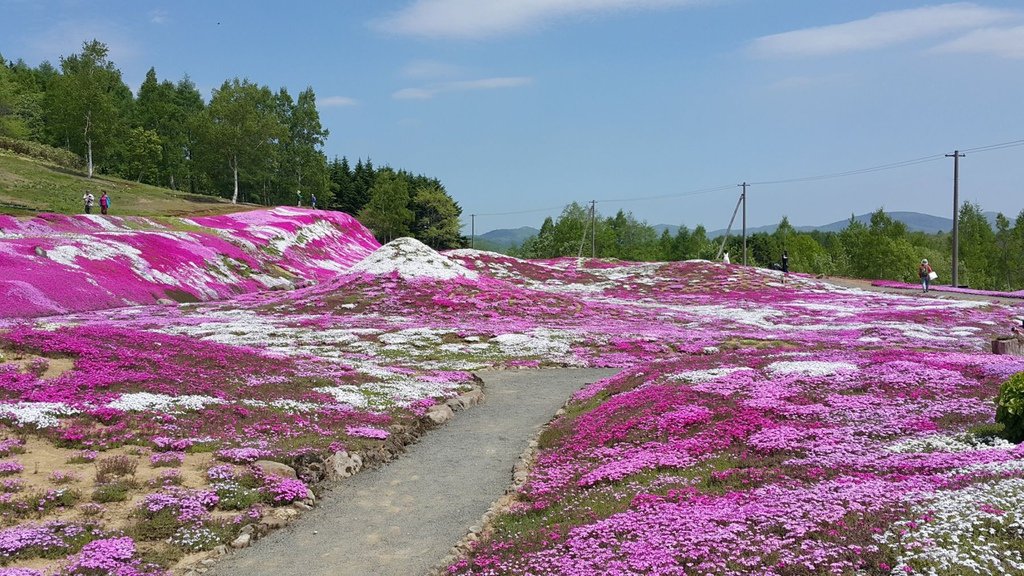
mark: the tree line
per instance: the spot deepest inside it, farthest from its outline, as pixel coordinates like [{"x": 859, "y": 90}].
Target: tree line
[
  {"x": 248, "y": 143},
  {"x": 990, "y": 258}
]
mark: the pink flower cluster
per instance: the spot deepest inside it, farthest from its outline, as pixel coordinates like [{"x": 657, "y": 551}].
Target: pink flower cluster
[{"x": 53, "y": 264}]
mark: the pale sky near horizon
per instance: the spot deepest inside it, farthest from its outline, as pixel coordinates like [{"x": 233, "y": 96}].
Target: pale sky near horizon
[{"x": 522, "y": 106}]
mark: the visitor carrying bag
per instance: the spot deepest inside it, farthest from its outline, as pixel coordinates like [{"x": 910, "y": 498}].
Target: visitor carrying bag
[{"x": 932, "y": 275}]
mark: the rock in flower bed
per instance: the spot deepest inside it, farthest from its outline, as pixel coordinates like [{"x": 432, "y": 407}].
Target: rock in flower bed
[{"x": 755, "y": 427}]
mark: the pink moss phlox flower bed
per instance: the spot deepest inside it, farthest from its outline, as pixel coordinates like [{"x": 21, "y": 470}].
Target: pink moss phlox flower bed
[
  {"x": 941, "y": 288},
  {"x": 755, "y": 427},
  {"x": 52, "y": 264}
]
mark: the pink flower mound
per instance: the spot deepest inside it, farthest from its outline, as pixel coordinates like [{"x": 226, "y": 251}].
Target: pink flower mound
[
  {"x": 112, "y": 556},
  {"x": 53, "y": 264}
]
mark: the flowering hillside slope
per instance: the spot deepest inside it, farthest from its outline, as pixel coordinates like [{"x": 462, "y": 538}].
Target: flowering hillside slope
[
  {"x": 755, "y": 427},
  {"x": 53, "y": 264}
]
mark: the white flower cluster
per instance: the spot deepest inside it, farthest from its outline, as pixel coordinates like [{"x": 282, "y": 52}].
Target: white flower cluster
[
  {"x": 413, "y": 337},
  {"x": 42, "y": 414},
  {"x": 699, "y": 376},
  {"x": 969, "y": 531},
  {"x": 345, "y": 394},
  {"x": 411, "y": 259},
  {"x": 950, "y": 443},
  {"x": 534, "y": 343},
  {"x": 810, "y": 367},
  {"x": 285, "y": 404},
  {"x": 139, "y": 401}
]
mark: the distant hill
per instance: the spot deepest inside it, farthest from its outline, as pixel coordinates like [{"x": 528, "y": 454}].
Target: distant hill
[
  {"x": 915, "y": 221},
  {"x": 508, "y": 237}
]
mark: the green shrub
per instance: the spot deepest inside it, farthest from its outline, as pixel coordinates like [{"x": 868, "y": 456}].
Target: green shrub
[
  {"x": 116, "y": 491},
  {"x": 232, "y": 496},
  {"x": 160, "y": 525},
  {"x": 1010, "y": 408},
  {"x": 31, "y": 149},
  {"x": 986, "y": 431}
]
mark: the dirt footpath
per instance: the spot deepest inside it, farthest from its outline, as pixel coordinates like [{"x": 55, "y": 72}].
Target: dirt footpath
[
  {"x": 402, "y": 519},
  {"x": 866, "y": 285}
]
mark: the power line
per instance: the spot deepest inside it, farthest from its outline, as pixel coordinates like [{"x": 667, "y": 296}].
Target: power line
[
  {"x": 534, "y": 210},
  {"x": 855, "y": 172},
  {"x": 674, "y": 195},
  {"x": 1001, "y": 146},
  {"x": 879, "y": 168}
]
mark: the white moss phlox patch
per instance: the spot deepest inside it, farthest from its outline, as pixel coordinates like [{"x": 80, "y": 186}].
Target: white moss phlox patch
[
  {"x": 411, "y": 259},
  {"x": 810, "y": 367}
]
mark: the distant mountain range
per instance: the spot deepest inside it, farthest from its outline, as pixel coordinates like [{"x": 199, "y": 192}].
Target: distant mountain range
[
  {"x": 915, "y": 221},
  {"x": 508, "y": 237}
]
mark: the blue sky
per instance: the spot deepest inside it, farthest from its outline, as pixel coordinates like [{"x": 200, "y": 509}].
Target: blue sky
[{"x": 521, "y": 106}]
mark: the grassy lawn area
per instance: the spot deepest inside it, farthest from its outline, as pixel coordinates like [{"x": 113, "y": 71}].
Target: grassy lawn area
[{"x": 29, "y": 186}]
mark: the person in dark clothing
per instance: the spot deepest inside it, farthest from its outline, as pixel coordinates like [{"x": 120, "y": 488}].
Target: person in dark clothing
[{"x": 785, "y": 265}]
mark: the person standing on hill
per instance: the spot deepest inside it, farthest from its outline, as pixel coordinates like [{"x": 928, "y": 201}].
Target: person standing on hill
[
  {"x": 88, "y": 198},
  {"x": 785, "y": 265},
  {"x": 312, "y": 201},
  {"x": 104, "y": 203},
  {"x": 924, "y": 271}
]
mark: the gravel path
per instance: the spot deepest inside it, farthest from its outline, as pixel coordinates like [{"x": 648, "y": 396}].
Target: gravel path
[
  {"x": 866, "y": 285},
  {"x": 402, "y": 519}
]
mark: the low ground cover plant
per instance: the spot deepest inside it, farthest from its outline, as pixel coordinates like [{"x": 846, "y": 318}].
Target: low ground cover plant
[{"x": 755, "y": 426}]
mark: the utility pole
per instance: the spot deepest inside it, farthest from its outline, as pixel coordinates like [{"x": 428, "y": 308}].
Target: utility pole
[
  {"x": 743, "y": 198},
  {"x": 472, "y": 231},
  {"x": 593, "y": 229},
  {"x": 728, "y": 229},
  {"x": 956, "y": 156}
]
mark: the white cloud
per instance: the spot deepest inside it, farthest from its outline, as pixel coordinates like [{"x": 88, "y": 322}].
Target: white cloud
[
  {"x": 878, "y": 31},
  {"x": 1003, "y": 42},
  {"x": 427, "y": 92},
  {"x": 336, "y": 101},
  {"x": 159, "y": 17},
  {"x": 476, "y": 19}
]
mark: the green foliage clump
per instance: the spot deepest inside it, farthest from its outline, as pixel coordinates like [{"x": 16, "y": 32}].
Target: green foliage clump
[
  {"x": 116, "y": 491},
  {"x": 1010, "y": 408},
  {"x": 58, "y": 156}
]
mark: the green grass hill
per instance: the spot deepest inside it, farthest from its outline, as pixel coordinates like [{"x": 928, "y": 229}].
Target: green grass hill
[{"x": 29, "y": 186}]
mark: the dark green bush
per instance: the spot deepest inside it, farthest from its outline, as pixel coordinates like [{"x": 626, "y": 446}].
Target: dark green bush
[
  {"x": 31, "y": 149},
  {"x": 1010, "y": 408}
]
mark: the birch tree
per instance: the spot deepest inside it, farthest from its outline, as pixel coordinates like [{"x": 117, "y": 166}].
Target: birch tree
[
  {"x": 85, "y": 103},
  {"x": 243, "y": 124}
]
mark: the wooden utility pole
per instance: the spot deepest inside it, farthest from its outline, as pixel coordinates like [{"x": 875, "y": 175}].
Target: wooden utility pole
[
  {"x": 956, "y": 156},
  {"x": 472, "y": 231},
  {"x": 743, "y": 198}
]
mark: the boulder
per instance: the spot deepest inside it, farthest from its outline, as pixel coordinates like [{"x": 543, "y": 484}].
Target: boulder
[
  {"x": 1012, "y": 345},
  {"x": 341, "y": 464},
  {"x": 241, "y": 542},
  {"x": 271, "y": 468},
  {"x": 439, "y": 414}
]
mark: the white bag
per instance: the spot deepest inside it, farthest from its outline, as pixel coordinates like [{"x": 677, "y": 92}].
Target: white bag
[{"x": 932, "y": 275}]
